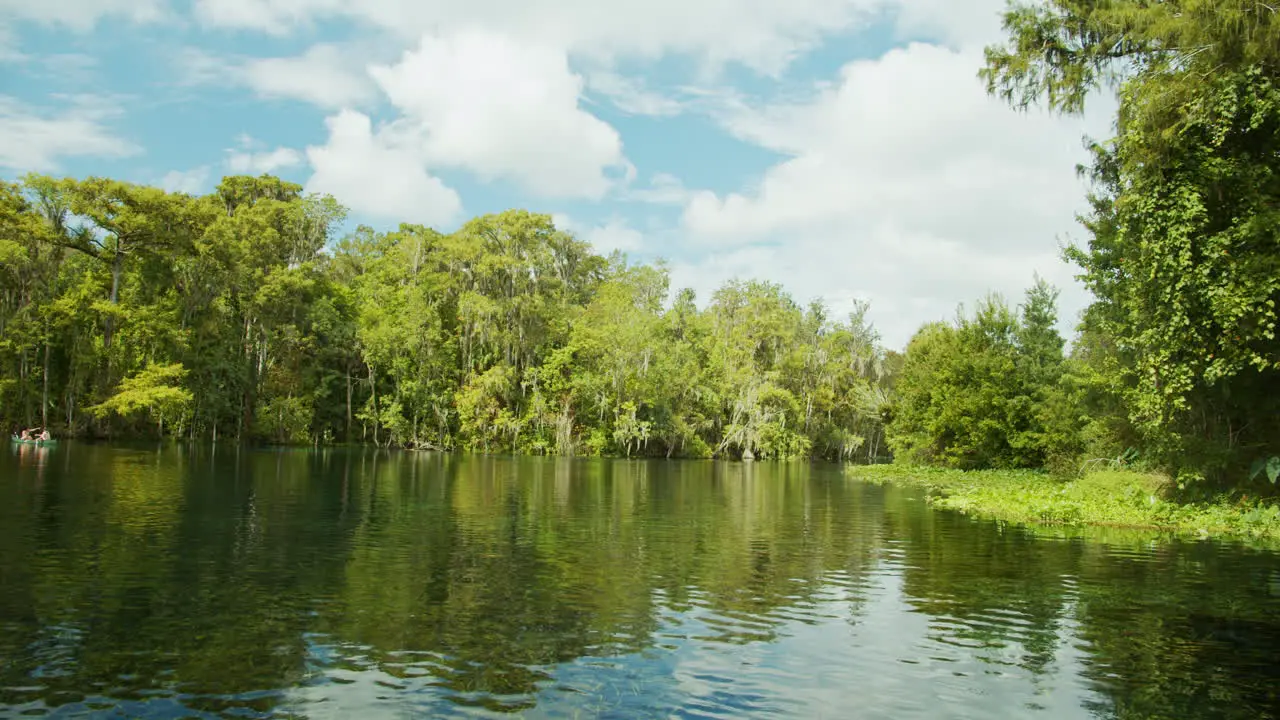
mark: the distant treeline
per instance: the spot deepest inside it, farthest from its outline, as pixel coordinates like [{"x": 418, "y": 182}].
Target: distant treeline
[{"x": 129, "y": 311}]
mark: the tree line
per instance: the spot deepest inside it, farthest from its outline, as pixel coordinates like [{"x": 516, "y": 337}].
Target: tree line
[{"x": 129, "y": 311}]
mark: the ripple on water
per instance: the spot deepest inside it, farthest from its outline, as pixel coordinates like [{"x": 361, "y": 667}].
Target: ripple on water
[{"x": 342, "y": 585}]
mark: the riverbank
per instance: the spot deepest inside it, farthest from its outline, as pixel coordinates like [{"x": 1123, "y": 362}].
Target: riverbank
[{"x": 1109, "y": 498}]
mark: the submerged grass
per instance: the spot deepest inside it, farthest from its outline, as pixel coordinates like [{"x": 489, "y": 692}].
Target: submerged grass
[{"x": 1105, "y": 498}]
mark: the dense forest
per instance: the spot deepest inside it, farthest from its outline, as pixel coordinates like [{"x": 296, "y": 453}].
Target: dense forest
[{"x": 126, "y": 310}]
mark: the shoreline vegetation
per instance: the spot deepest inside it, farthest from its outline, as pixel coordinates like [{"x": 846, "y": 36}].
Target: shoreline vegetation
[
  {"x": 1115, "y": 499},
  {"x": 129, "y": 311}
]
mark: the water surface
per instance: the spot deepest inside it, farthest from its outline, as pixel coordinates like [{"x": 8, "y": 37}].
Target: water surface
[{"x": 137, "y": 582}]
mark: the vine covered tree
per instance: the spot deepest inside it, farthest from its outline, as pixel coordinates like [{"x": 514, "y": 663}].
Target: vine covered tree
[{"x": 1183, "y": 254}]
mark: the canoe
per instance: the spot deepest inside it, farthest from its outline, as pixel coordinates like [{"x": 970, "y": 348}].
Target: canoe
[{"x": 20, "y": 441}]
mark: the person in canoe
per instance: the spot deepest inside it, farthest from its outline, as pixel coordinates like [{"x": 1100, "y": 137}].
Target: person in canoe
[{"x": 34, "y": 435}]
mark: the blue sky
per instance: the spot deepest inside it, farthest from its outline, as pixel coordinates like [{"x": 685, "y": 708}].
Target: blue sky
[{"x": 843, "y": 148}]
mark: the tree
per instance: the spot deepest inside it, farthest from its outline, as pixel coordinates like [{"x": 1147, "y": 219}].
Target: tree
[
  {"x": 1184, "y": 248},
  {"x": 156, "y": 392},
  {"x": 984, "y": 391}
]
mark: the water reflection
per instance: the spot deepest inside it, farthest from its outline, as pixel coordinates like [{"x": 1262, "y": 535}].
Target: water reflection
[{"x": 181, "y": 582}]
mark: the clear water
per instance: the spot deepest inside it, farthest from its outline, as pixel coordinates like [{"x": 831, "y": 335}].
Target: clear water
[{"x": 332, "y": 584}]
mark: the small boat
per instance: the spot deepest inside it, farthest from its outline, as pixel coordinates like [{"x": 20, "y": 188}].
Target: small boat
[{"x": 19, "y": 441}]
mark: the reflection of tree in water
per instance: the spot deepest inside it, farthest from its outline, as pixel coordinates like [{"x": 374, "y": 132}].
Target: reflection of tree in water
[
  {"x": 225, "y": 578},
  {"x": 1183, "y": 630},
  {"x": 990, "y": 591},
  {"x": 144, "y": 557},
  {"x": 1170, "y": 632},
  {"x": 504, "y": 575}
]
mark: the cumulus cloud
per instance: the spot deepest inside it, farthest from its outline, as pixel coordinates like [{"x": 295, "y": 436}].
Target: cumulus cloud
[
  {"x": 663, "y": 189},
  {"x": 326, "y": 75},
  {"x": 614, "y": 234},
  {"x": 972, "y": 23},
  {"x": 502, "y": 108},
  {"x": 764, "y": 35},
  {"x": 239, "y": 161},
  {"x": 248, "y": 158},
  {"x": 375, "y": 173},
  {"x": 905, "y": 184},
  {"x": 36, "y": 139},
  {"x": 191, "y": 182}
]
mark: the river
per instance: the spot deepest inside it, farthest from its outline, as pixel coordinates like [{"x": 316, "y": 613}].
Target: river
[{"x": 192, "y": 582}]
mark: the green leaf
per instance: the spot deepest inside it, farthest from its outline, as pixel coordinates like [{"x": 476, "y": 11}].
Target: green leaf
[{"x": 1270, "y": 466}]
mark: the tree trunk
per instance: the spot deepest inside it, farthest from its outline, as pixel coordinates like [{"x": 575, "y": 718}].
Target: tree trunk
[
  {"x": 26, "y": 398},
  {"x": 373, "y": 388},
  {"x": 117, "y": 266},
  {"x": 348, "y": 405},
  {"x": 44, "y": 393},
  {"x": 245, "y": 421}
]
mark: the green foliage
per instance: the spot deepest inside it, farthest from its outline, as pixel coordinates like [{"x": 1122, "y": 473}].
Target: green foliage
[
  {"x": 1184, "y": 248},
  {"x": 1112, "y": 498},
  {"x": 1266, "y": 466},
  {"x": 507, "y": 335},
  {"x": 1060, "y": 50},
  {"x": 284, "y": 420},
  {"x": 985, "y": 391},
  {"x": 156, "y": 391}
]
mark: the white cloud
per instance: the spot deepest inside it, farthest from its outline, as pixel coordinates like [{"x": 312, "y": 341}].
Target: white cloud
[
  {"x": 906, "y": 185},
  {"x": 629, "y": 95},
  {"x": 246, "y": 159},
  {"x": 326, "y": 75},
  {"x": 663, "y": 189},
  {"x": 614, "y": 235},
  {"x": 330, "y": 76},
  {"x": 32, "y": 139},
  {"x": 191, "y": 182},
  {"x": 972, "y": 23},
  {"x": 83, "y": 15},
  {"x": 502, "y": 108},
  {"x": 765, "y": 35},
  {"x": 375, "y": 173},
  {"x": 271, "y": 16}
]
